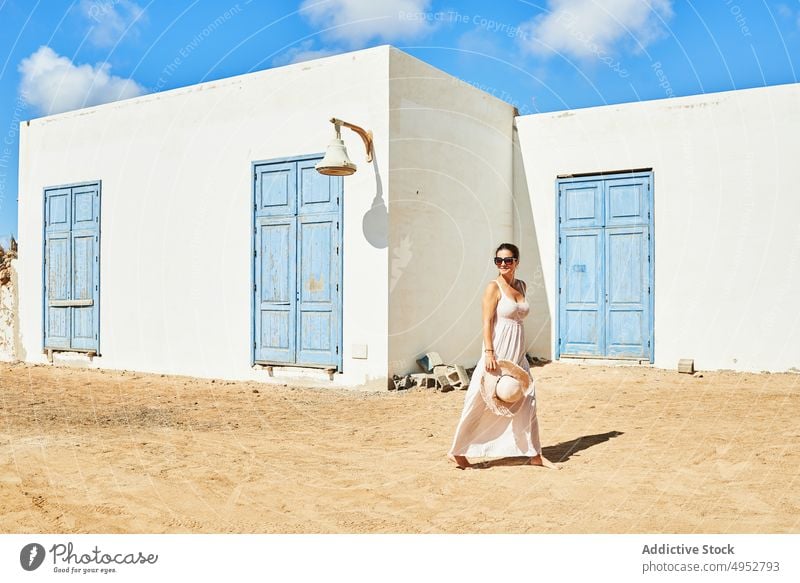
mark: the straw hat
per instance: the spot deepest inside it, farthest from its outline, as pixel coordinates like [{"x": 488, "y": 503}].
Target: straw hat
[{"x": 505, "y": 386}]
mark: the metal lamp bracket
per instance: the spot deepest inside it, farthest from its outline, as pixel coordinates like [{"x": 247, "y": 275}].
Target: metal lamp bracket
[{"x": 366, "y": 135}]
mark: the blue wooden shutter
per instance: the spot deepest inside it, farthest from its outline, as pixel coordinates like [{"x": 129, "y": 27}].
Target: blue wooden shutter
[
  {"x": 627, "y": 266},
  {"x": 317, "y": 193},
  {"x": 318, "y": 265},
  {"x": 72, "y": 267},
  {"x": 318, "y": 284},
  {"x": 275, "y": 262},
  {"x": 276, "y": 189},
  {"x": 275, "y": 289},
  {"x": 605, "y": 266},
  {"x": 57, "y": 267},
  {"x": 85, "y": 266},
  {"x": 581, "y": 204},
  {"x": 297, "y": 266},
  {"x": 581, "y": 293}
]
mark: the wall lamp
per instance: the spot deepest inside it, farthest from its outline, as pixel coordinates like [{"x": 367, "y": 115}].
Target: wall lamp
[{"x": 336, "y": 162}]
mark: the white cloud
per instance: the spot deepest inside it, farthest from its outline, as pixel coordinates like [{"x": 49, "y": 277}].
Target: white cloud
[
  {"x": 482, "y": 42},
  {"x": 788, "y": 13},
  {"x": 53, "y": 83},
  {"x": 355, "y": 22},
  {"x": 784, "y": 11},
  {"x": 111, "y": 19},
  {"x": 300, "y": 53},
  {"x": 582, "y": 28}
]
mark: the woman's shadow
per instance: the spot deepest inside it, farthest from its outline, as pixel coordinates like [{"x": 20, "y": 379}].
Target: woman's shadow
[{"x": 558, "y": 453}]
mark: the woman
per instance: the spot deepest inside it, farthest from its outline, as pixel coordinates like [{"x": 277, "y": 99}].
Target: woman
[{"x": 484, "y": 430}]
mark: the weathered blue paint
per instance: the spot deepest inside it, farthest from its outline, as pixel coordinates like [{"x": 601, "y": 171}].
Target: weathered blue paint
[
  {"x": 318, "y": 277},
  {"x": 71, "y": 268},
  {"x": 275, "y": 289},
  {"x": 581, "y": 300},
  {"x": 605, "y": 266},
  {"x": 627, "y": 292},
  {"x": 297, "y": 264}
]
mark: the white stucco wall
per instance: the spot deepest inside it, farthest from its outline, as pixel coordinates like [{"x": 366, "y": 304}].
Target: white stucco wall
[
  {"x": 176, "y": 217},
  {"x": 727, "y": 246},
  {"x": 450, "y": 202}
]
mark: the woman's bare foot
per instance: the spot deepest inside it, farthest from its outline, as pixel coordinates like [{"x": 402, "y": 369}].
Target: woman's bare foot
[
  {"x": 540, "y": 460},
  {"x": 461, "y": 461}
]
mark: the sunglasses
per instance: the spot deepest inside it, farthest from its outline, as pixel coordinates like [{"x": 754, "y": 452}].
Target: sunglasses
[{"x": 507, "y": 260}]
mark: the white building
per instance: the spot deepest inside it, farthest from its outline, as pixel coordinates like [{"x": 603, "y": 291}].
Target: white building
[
  {"x": 187, "y": 232},
  {"x": 724, "y": 247}
]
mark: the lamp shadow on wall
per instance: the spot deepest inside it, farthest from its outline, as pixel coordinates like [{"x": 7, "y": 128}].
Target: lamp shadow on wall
[
  {"x": 538, "y": 324},
  {"x": 375, "y": 223}
]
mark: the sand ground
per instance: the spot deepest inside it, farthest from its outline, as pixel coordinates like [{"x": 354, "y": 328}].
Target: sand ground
[{"x": 641, "y": 451}]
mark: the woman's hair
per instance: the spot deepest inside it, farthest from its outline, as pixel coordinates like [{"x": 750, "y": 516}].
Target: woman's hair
[{"x": 510, "y": 247}]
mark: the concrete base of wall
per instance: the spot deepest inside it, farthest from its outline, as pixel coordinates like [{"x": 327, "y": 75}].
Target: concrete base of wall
[{"x": 604, "y": 361}]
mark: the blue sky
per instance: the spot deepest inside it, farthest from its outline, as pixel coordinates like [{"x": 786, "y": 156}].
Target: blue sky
[{"x": 549, "y": 55}]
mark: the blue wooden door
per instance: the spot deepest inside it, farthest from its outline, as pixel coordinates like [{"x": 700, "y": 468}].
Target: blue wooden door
[
  {"x": 274, "y": 262},
  {"x": 72, "y": 268},
  {"x": 627, "y": 266},
  {"x": 275, "y": 289},
  {"x": 605, "y": 266},
  {"x": 318, "y": 265},
  {"x": 582, "y": 302},
  {"x": 297, "y": 265},
  {"x": 580, "y": 261}
]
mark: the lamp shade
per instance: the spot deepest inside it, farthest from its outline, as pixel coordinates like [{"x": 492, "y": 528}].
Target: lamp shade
[{"x": 336, "y": 162}]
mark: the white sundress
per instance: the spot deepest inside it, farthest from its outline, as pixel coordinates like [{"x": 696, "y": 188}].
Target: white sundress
[{"x": 481, "y": 432}]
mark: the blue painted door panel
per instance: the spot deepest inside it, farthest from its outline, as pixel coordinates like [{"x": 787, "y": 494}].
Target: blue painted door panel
[
  {"x": 276, "y": 189},
  {"x": 581, "y": 204},
  {"x": 319, "y": 282},
  {"x": 57, "y": 269},
  {"x": 581, "y": 294},
  {"x": 605, "y": 275},
  {"x": 627, "y": 288},
  {"x": 297, "y": 265},
  {"x": 627, "y": 201},
  {"x": 72, "y": 267},
  {"x": 317, "y": 193},
  {"x": 275, "y": 289}
]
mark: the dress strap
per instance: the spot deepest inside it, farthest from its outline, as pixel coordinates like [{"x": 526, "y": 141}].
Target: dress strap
[
  {"x": 500, "y": 287},
  {"x": 524, "y": 289}
]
